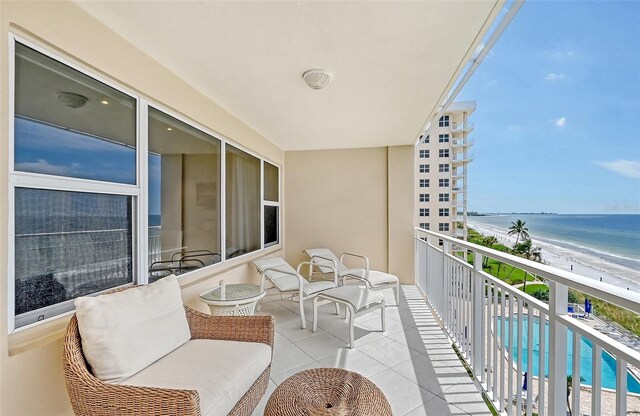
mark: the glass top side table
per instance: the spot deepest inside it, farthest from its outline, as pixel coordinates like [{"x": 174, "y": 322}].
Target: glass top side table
[{"x": 233, "y": 299}]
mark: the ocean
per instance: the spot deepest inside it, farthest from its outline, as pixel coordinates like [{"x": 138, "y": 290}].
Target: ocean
[{"x": 615, "y": 238}]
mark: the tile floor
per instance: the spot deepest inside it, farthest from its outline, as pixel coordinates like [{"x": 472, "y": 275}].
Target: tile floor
[{"x": 412, "y": 363}]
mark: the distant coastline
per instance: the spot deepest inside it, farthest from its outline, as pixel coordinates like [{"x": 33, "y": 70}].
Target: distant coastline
[
  {"x": 596, "y": 246},
  {"x": 492, "y": 214}
]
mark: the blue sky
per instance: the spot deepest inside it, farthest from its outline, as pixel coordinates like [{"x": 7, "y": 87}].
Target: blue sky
[{"x": 557, "y": 125}]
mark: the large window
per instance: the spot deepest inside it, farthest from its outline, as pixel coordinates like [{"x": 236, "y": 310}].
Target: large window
[
  {"x": 424, "y": 153},
  {"x": 82, "y": 222},
  {"x": 73, "y": 184},
  {"x": 424, "y": 183},
  {"x": 424, "y": 168},
  {"x": 271, "y": 202},
  {"x": 184, "y": 197},
  {"x": 424, "y": 197}
]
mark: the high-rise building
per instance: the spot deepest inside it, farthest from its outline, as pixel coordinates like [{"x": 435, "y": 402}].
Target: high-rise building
[{"x": 441, "y": 161}]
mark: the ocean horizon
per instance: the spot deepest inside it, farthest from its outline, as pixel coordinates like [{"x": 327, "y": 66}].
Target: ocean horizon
[{"x": 611, "y": 237}]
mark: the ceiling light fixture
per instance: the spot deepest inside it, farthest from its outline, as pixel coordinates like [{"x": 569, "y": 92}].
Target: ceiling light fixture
[
  {"x": 317, "y": 78},
  {"x": 71, "y": 99},
  {"x": 169, "y": 129},
  {"x": 104, "y": 101}
]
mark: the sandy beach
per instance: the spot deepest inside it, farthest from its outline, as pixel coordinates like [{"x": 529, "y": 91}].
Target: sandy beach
[{"x": 573, "y": 260}]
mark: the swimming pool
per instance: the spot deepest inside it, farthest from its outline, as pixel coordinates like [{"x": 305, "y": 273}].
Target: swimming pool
[{"x": 608, "y": 361}]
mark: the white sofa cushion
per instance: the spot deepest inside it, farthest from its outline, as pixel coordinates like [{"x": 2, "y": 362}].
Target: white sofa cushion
[
  {"x": 124, "y": 332},
  {"x": 220, "y": 371}
]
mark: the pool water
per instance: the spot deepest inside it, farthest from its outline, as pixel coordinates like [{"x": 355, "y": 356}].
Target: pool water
[{"x": 608, "y": 361}]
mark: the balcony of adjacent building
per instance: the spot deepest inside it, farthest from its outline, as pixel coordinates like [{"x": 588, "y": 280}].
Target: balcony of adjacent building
[
  {"x": 462, "y": 127},
  {"x": 459, "y": 145}
]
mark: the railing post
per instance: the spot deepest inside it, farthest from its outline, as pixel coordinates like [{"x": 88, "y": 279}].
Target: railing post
[
  {"x": 446, "y": 289},
  {"x": 477, "y": 308},
  {"x": 557, "y": 349}
]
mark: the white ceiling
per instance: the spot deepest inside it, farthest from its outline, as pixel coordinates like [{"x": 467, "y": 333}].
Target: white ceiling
[{"x": 392, "y": 61}]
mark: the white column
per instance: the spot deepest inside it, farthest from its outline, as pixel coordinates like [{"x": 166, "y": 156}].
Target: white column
[
  {"x": 557, "y": 350},
  {"x": 477, "y": 308}
]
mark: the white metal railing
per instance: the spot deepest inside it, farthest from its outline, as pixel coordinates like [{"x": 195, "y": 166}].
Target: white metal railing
[
  {"x": 458, "y": 127},
  {"x": 486, "y": 319}
]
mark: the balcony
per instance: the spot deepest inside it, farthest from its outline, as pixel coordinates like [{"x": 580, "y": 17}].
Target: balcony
[
  {"x": 460, "y": 159},
  {"x": 477, "y": 310},
  {"x": 455, "y": 128},
  {"x": 458, "y": 145},
  {"x": 413, "y": 363}
]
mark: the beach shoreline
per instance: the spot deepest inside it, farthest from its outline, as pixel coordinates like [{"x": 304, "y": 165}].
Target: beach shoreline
[{"x": 564, "y": 258}]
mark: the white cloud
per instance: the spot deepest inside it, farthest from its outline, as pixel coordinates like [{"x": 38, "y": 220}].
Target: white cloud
[
  {"x": 628, "y": 168},
  {"x": 560, "y": 122},
  {"x": 42, "y": 166},
  {"x": 552, "y": 76}
]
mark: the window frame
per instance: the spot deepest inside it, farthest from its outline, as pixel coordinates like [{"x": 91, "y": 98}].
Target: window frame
[
  {"x": 423, "y": 197},
  {"x": 423, "y": 183},
  {"x": 424, "y": 168},
  {"x": 139, "y": 192}
]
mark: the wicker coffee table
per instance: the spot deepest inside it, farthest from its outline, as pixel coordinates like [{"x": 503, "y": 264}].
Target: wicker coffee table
[{"x": 327, "y": 391}]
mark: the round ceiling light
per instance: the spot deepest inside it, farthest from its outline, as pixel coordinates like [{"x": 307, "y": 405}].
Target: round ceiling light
[
  {"x": 317, "y": 78},
  {"x": 71, "y": 99}
]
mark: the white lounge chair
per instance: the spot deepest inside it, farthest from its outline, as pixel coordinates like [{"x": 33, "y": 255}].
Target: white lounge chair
[
  {"x": 327, "y": 262},
  {"x": 287, "y": 279}
]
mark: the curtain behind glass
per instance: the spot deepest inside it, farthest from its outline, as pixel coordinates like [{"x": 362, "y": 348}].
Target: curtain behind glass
[{"x": 243, "y": 202}]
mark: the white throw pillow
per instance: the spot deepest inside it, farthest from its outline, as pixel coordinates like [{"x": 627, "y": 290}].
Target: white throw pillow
[{"x": 124, "y": 332}]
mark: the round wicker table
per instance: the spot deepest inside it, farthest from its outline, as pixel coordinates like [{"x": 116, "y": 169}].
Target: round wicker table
[{"x": 327, "y": 391}]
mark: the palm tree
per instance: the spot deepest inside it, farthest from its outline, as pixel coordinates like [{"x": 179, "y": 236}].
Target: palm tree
[
  {"x": 536, "y": 254},
  {"x": 518, "y": 229},
  {"x": 488, "y": 241}
]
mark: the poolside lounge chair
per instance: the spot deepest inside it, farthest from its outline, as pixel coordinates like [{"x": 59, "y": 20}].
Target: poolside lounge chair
[
  {"x": 287, "y": 279},
  {"x": 327, "y": 262}
]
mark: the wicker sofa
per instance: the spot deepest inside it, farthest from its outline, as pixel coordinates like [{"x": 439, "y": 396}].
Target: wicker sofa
[{"x": 91, "y": 396}]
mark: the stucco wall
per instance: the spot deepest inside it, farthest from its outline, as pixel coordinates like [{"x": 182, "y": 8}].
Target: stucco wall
[
  {"x": 31, "y": 380},
  {"x": 353, "y": 200},
  {"x": 337, "y": 199}
]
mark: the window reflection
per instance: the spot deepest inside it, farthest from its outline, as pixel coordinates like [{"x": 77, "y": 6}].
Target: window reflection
[
  {"x": 184, "y": 197},
  {"x": 69, "y": 124}
]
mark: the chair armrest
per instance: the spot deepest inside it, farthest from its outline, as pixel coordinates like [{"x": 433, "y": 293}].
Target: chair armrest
[
  {"x": 231, "y": 328},
  {"x": 366, "y": 260},
  {"x": 311, "y": 263}
]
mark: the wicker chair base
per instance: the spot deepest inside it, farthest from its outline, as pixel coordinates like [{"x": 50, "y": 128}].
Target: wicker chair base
[
  {"x": 250, "y": 400},
  {"x": 327, "y": 391}
]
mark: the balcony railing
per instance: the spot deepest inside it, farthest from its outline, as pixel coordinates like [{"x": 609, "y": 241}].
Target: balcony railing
[
  {"x": 460, "y": 144},
  {"x": 493, "y": 325},
  {"x": 460, "y": 127}
]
